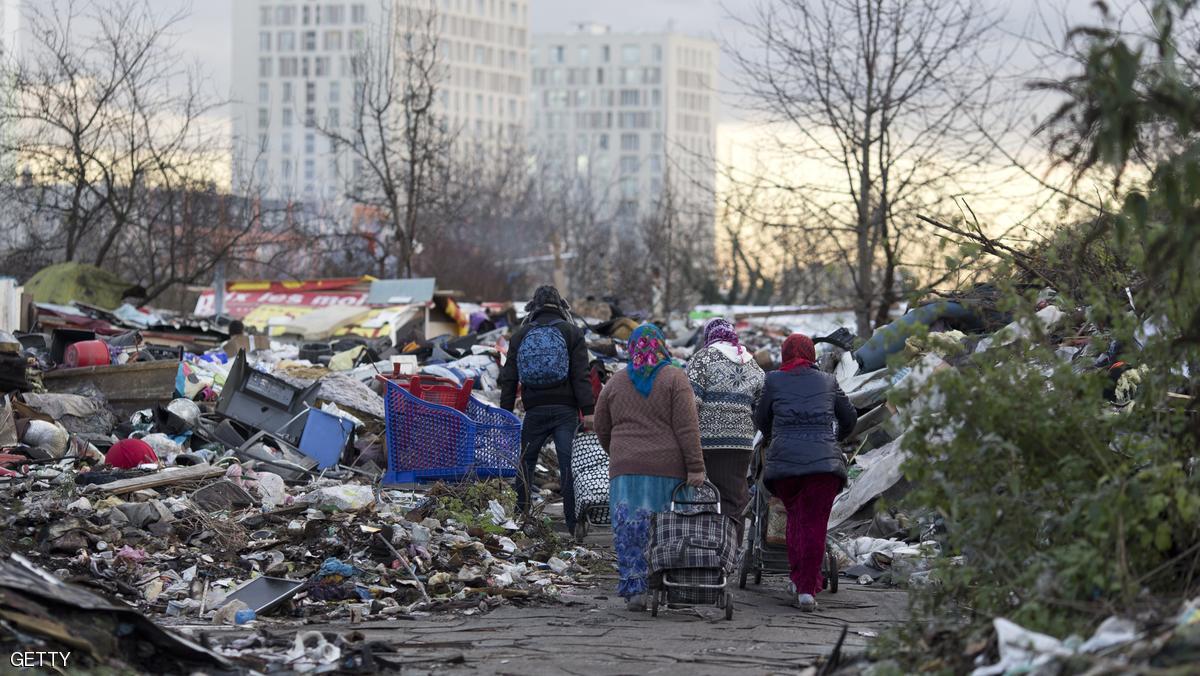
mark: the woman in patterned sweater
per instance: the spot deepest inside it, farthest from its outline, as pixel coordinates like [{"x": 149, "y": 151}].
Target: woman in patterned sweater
[{"x": 727, "y": 382}]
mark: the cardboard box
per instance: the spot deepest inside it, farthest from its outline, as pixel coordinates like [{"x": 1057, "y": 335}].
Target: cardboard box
[{"x": 245, "y": 342}]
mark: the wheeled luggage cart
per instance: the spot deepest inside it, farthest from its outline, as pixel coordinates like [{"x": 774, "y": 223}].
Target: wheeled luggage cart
[
  {"x": 693, "y": 548},
  {"x": 589, "y": 472},
  {"x": 761, "y": 556}
]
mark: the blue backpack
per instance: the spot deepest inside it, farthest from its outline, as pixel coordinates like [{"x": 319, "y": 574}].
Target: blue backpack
[{"x": 542, "y": 358}]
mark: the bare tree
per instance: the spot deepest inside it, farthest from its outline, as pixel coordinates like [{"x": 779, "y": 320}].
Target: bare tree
[
  {"x": 401, "y": 148},
  {"x": 102, "y": 116},
  {"x": 875, "y": 99}
]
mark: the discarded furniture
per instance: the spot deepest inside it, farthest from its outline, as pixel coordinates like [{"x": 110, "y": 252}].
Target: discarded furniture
[{"x": 129, "y": 388}]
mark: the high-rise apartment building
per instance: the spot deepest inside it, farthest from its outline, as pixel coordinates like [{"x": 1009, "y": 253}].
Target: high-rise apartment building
[
  {"x": 295, "y": 68},
  {"x": 632, "y": 114}
]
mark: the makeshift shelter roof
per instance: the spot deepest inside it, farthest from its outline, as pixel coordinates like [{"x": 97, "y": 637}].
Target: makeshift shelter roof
[
  {"x": 401, "y": 291},
  {"x": 65, "y": 283}
]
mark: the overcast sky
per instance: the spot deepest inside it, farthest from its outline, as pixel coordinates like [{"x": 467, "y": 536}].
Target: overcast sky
[{"x": 205, "y": 35}]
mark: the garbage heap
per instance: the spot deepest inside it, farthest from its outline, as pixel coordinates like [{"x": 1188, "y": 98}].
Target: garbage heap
[{"x": 241, "y": 485}]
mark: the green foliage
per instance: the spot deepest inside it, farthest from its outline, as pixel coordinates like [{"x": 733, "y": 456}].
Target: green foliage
[
  {"x": 1059, "y": 507},
  {"x": 467, "y": 503},
  {"x": 1063, "y": 509}
]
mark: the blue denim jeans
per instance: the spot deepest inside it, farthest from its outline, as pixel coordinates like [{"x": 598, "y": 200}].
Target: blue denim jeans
[{"x": 540, "y": 424}]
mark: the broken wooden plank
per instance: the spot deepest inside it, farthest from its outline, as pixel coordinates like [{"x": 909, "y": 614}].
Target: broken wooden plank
[{"x": 164, "y": 478}]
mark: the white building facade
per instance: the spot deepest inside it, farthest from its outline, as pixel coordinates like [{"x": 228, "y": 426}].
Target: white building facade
[
  {"x": 294, "y": 70},
  {"x": 631, "y": 114}
]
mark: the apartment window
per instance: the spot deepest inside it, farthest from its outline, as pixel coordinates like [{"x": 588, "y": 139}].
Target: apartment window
[
  {"x": 631, "y": 97},
  {"x": 263, "y": 143},
  {"x": 655, "y": 164},
  {"x": 583, "y": 54},
  {"x": 631, "y": 54},
  {"x": 309, "y": 40},
  {"x": 335, "y": 92},
  {"x": 310, "y": 170},
  {"x": 656, "y": 142},
  {"x": 264, "y": 118},
  {"x": 652, "y": 76},
  {"x": 558, "y": 54},
  {"x": 334, "y": 118},
  {"x": 599, "y": 76},
  {"x": 310, "y": 143},
  {"x": 535, "y": 55},
  {"x": 630, "y": 142},
  {"x": 335, "y": 15},
  {"x": 287, "y": 92},
  {"x": 285, "y": 143},
  {"x": 304, "y": 64},
  {"x": 322, "y": 66},
  {"x": 285, "y": 15},
  {"x": 287, "y": 67},
  {"x": 333, "y": 41},
  {"x": 634, "y": 121},
  {"x": 310, "y": 118},
  {"x": 264, "y": 16},
  {"x": 656, "y": 97},
  {"x": 479, "y": 56},
  {"x": 629, "y": 190},
  {"x": 310, "y": 92},
  {"x": 605, "y": 53},
  {"x": 264, "y": 92},
  {"x": 602, "y": 142},
  {"x": 358, "y": 13},
  {"x": 629, "y": 165},
  {"x": 286, "y": 41},
  {"x": 264, "y": 67},
  {"x": 264, "y": 41},
  {"x": 287, "y": 118},
  {"x": 656, "y": 53},
  {"x": 287, "y": 170},
  {"x": 357, "y": 40}
]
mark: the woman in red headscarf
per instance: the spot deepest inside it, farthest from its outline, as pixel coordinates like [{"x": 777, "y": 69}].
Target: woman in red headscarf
[{"x": 805, "y": 414}]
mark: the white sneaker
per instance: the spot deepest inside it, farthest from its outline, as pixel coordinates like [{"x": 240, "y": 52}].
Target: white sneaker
[{"x": 806, "y": 602}]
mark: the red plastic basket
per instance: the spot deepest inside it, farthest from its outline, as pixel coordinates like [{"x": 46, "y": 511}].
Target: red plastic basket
[{"x": 436, "y": 390}]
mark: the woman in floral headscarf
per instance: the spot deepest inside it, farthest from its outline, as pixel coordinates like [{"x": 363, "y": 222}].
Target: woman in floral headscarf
[
  {"x": 727, "y": 382},
  {"x": 646, "y": 420}
]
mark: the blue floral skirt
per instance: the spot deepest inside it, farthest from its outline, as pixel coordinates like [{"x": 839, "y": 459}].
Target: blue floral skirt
[{"x": 633, "y": 498}]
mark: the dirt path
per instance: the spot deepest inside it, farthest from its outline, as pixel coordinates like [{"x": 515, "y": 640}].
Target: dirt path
[{"x": 591, "y": 633}]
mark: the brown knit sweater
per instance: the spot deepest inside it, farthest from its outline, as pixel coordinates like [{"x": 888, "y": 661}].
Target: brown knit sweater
[{"x": 657, "y": 435}]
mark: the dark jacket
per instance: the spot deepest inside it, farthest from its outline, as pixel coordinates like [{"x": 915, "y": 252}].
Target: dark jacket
[
  {"x": 576, "y": 392},
  {"x": 805, "y": 414}
]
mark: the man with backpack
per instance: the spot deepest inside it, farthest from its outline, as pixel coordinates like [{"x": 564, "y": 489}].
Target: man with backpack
[{"x": 548, "y": 358}]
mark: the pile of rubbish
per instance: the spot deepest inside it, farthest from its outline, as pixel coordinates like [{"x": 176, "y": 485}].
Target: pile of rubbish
[{"x": 169, "y": 490}]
